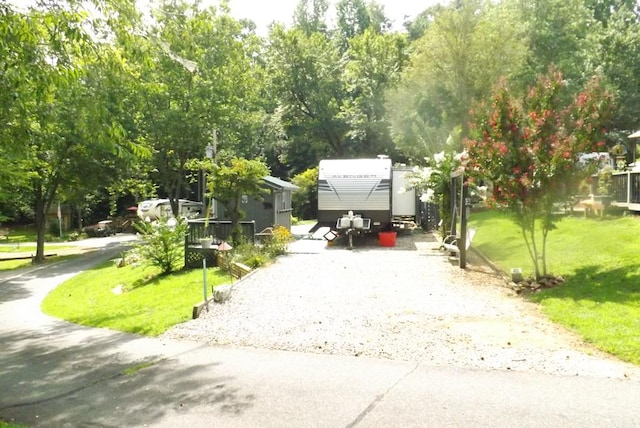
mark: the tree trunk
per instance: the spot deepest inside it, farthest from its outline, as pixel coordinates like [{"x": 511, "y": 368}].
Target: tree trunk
[
  {"x": 41, "y": 224},
  {"x": 234, "y": 215}
]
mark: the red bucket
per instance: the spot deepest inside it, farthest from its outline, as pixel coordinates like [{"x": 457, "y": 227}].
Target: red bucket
[{"x": 387, "y": 239}]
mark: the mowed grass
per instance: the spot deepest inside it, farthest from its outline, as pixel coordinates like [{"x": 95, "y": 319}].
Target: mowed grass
[
  {"x": 7, "y": 265},
  {"x": 10, "y": 425},
  {"x": 22, "y": 233},
  {"x": 131, "y": 299},
  {"x": 14, "y": 264},
  {"x": 598, "y": 258},
  {"x": 30, "y": 248}
]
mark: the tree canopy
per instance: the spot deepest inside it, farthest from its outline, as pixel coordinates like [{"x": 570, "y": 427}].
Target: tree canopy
[{"x": 107, "y": 104}]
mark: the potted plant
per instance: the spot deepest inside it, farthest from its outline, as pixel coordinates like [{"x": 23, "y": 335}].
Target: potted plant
[
  {"x": 206, "y": 241},
  {"x": 619, "y": 152}
]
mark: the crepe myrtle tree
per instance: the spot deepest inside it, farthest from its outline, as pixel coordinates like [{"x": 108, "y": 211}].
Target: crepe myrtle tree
[{"x": 529, "y": 150}]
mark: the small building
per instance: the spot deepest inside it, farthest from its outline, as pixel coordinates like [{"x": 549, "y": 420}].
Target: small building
[{"x": 274, "y": 208}]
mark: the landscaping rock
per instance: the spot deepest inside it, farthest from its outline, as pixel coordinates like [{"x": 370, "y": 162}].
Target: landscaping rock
[{"x": 222, "y": 293}]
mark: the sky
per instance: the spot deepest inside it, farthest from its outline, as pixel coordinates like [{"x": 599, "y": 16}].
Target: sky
[{"x": 264, "y": 12}]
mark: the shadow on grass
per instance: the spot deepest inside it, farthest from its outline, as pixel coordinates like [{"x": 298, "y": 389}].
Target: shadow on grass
[
  {"x": 155, "y": 277},
  {"x": 593, "y": 283},
  {"x": 500, "y": 250},
  {"x": 150, "y": 279}
]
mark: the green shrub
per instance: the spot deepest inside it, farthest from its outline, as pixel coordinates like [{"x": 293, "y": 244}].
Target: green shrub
[
  {"x": 162, "y": 243},
  {"x": 52, "y": 228},
  {"x": 250, "y": 255},
  {"x": 256, "y": 260},
  {"x": 73, "y": 236}
]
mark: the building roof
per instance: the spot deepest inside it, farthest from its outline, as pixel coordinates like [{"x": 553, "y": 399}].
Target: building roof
[{"x": 276, "y": 183}]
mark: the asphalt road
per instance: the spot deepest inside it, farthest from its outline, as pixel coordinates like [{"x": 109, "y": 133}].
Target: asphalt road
[{"x": 56, "y": 374}]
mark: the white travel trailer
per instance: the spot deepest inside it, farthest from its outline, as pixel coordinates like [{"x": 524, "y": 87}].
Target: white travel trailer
[
  {"x": 364, "y": 194},
  {"x": 155, "y": 209}
]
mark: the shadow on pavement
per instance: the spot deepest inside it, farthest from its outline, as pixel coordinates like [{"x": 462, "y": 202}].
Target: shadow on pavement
[
  {"x": 54, "y": 373},
  {"x": 95, "y": 383}
]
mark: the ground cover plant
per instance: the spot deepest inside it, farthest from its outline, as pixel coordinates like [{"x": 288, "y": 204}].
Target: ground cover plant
[
  {"x": 598, "y": 259},
  {"x": 131, "y": 298}
]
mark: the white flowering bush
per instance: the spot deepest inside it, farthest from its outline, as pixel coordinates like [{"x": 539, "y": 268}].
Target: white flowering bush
[{"x": 434, "y": 181}]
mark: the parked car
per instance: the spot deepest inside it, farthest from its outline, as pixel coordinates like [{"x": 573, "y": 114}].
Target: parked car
[{"x": 100, "y": 229}]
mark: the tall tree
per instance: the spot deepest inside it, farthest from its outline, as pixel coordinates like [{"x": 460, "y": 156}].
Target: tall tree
[
  {"x": 352, "y": 19},
  {"x": 200, "y": 80},
  {"x": 372, "y": 66},
  {"x": 617, "y": 53},
  {"x": 558, "y": 33},
  {"x": 330, "y": 100},
  {"x": 463, "y": 52},
  {"x": 311, "y": 16},
  {"x": 305, "y": 78},
  {"x": 63, "y": 136}
]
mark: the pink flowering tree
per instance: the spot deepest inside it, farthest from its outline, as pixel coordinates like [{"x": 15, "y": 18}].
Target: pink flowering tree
[{"x": 529, "y": 151}]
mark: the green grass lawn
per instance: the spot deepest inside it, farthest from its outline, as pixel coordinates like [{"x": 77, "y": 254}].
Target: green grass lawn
[
  {"x": 25, "y": 263},
  {"x": 148, "y": 304},
  {"x": 25, "y": 248},
  {"x": 22, "y": 234},
  {"x": 14, "y": 264},
  {"x": 27, "y": 233},
  {"x": 598, "y": 257},
  {"x": 10, "y": 425}
]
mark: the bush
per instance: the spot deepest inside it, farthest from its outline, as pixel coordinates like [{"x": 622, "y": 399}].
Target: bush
[
  {"x": 53, "y": 228},
  {"x": 162, "y": 243},
  {"x": 277, "y": 243},
  {"x": 250, "y": 255},
  {"x": 255, "y": 256},
  {"x": 73, "y": 236}
]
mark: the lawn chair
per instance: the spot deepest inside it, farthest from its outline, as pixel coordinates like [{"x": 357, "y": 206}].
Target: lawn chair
[{"x": 450, "y": 242}]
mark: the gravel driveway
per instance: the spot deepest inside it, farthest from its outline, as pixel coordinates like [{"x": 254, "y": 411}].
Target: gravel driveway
[{"x": 408, "y": 302}]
